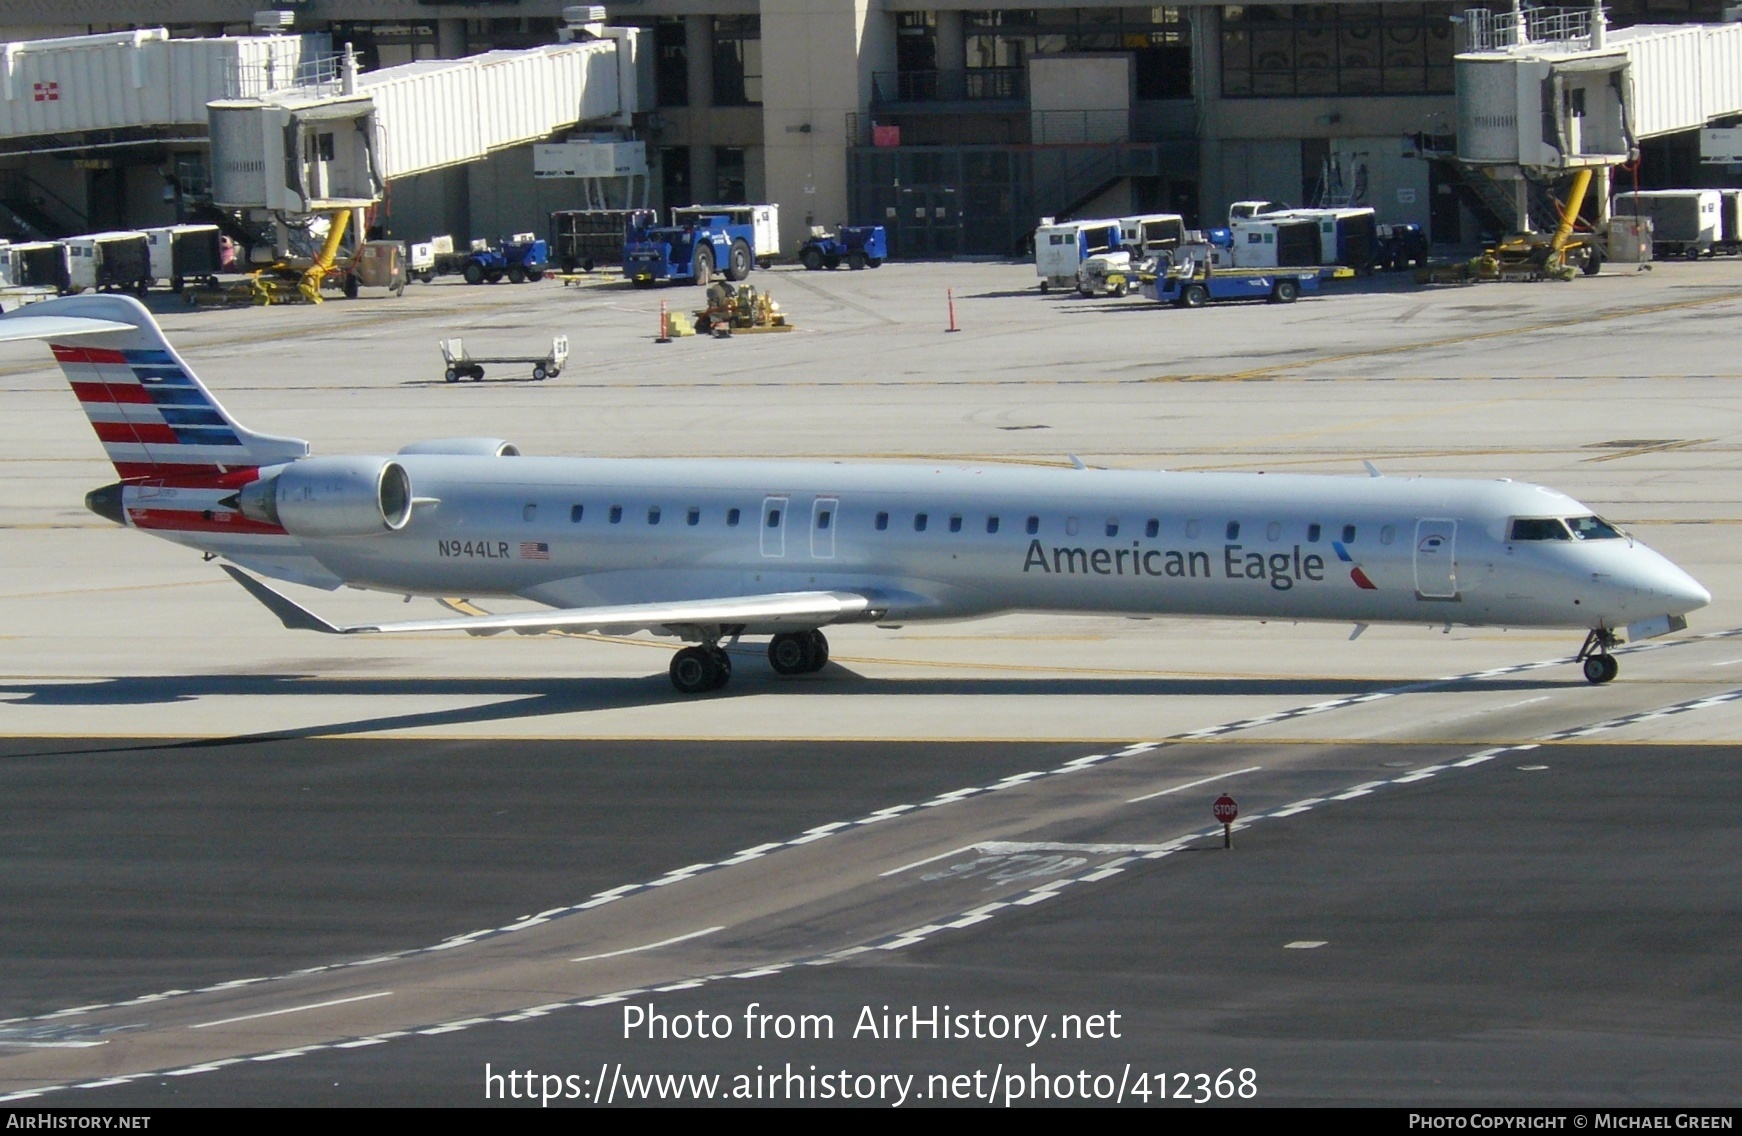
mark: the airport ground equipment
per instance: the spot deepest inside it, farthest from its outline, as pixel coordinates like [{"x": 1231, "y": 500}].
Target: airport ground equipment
[
  {"x": 1685, "y": 222},
  {"x": 1192, "y": 283},
  {"x": 1143, "y": 240},
  {"x": 377, "y": 264},
  {"x": 586, "y": 238},
  {"x": 1729, "y": 222},
  {"x": 763, "y": 222},
  {"x": 856, "y": 246},
  {"x": 37, "y": 264},
  {"x": 435, "y": 257},
  {"x": 109, "y": 262},
  {"x": 461, "y": 364},
  {"x": 1151, "y": 234},
  {"x": 1269, "y": 241},
  {"x": 518, "y": 259},
  {"x": 1061, "y": 249},
  {"x": 183, "y": 254},
  {"x": 1347, "y": 235},
  {"x": 1538, "y": 256},
  {"x": 1400, "y": 246},
  {"x": 689, "y": 253},
  {"x": 1246, "y": 210},
  {"x": 1108, "y": 273},
  {"x": 732, "y": 308}
]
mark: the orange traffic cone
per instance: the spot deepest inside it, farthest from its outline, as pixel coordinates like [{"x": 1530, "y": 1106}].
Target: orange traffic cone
[
  {"x": 664, "y": 325},
  {"x": 951, "y": 292}
]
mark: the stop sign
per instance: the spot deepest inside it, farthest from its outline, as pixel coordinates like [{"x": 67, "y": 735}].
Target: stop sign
[{"x": 1225, "y": 809}]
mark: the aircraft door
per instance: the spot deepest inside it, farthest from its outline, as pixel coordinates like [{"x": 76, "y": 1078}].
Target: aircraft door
[
  {"x": 773, "y": 526},
  {"x": 824, "y": 513},
  {"x": 1436, "y": 561}
]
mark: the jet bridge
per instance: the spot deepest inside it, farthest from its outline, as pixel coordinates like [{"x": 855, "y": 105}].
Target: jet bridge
[{"x": 1545, "y": 92}]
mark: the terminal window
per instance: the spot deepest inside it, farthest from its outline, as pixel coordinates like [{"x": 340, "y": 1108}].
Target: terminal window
[
  {"x": 1289, "y": 50},
  {"x": 737, "y": 60}
]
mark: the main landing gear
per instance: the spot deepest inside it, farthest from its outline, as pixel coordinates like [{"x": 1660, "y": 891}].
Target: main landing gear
[
  {"x": 707, "y": 667},
  {"x": 1600, "y": 666}
]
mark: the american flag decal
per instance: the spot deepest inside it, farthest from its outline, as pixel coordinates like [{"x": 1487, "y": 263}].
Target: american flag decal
[{"x": 534, "y": 550}]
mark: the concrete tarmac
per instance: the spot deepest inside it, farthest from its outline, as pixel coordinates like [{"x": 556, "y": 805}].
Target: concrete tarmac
[{"x": 239, "y": 846}]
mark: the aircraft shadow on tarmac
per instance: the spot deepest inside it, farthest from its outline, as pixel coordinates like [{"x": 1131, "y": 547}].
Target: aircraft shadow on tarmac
[{"x": 527, "y": 698}]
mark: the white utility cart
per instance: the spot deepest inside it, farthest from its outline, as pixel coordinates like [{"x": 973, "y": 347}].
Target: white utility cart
[{"x": 463, "y": 365}]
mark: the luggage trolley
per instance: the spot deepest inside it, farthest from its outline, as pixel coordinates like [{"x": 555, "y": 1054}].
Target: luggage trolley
[{"x": 462, "y": 365}]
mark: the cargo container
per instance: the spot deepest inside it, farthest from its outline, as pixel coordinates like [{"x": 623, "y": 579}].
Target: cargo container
[
  {"x": 115, "y": 261},
  {"x": 38, "y": 264},
  {"x": 1061, "y": 249},
  {"x": 1271, "y": 243},
  {"x": 183, "y": 253},
  {"x": 1347, "y": 236},
  {"x": 1149, "y": 234},
  {"x": 1685, "y": 222},
  {"x": 587, "y": 238},
  {"x": 1729, "y": 221}
]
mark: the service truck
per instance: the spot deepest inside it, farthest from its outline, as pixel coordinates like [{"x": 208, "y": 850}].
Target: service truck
[
  {"x": 1060, "y": 249},
  {"x": 691, "y": 250}
]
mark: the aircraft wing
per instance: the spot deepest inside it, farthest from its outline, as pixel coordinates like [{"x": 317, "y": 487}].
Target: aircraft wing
[
  {"x": 789, "y": 610},
  {"x": 16, "y": 327}
]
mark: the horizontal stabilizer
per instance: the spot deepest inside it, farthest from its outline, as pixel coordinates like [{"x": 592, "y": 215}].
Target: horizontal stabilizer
[
  {"x": 20, "y": 327},
  {"x": 787, "y": 610}
]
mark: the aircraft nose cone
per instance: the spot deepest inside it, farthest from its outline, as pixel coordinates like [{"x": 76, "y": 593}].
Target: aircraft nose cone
[{"x": 1686, "y": 594}]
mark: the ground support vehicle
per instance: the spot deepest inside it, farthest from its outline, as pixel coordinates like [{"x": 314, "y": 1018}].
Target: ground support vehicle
[
  {"x": 857, "y": 246},
  {"x": 690, "y": 253},
  {"x": 1400, "y": 247},
  {"x": 184, "y": 253},
  {"x": 1538, "y": 256},
  {"x": 109, "y": 262},
  {"x": 376, "y": 264},
  {"x": 463, "y": 365},
  {"x": 1729, "y": 222},
  {"x": 583, "y": 239},
  {"x": 1061, "y": 249},
  {"x": 763, "y": 221},
  {"x": 435, "y": 257},
  {"x": 740, "y": 308},
  {"x": 1110, "y": 273},
  {"x": 519, "y": 258},
  {"x": 37, "y": 264},
  {"x": 1193, "y": 283}
]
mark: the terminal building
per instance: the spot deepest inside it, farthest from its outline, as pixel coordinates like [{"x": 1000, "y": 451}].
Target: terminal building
[{"x": 958, "y": 128}]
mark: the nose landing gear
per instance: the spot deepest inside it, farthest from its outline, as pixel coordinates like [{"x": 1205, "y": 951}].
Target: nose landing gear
[{"x": 1599, "y": 665}]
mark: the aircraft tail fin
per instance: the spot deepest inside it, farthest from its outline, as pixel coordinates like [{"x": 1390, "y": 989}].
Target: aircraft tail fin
[{"x": 151, "y": 412}]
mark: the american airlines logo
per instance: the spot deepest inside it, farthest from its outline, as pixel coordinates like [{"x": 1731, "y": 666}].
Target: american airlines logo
[{"x": 1282, "y": 570}]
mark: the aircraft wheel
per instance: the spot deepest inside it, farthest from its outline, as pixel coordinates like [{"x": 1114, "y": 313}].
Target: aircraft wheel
[
  {"x": 819, "y": 650},
  {"x": 1600, "y": 669},
  {"x": 694, "y": 671},
  {"x": 790, "y": 653}
]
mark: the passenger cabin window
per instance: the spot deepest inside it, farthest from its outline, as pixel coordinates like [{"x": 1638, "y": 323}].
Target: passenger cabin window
[
  {"x": 1592, "y": 528},
  {"x": 1274, "y": 532},
  {"x": 694, "y": 516},
  {"x": 1387, "y": 534},
  {"x": 575, "y": 513},
  {"x": 1233, "y": 530},
  {"x": 616, "y": 514},
  {"x": 1152, "y": 529},
  {"x": 882, "y": 521},
  {"x": 732, "y": 516},
  {"x": 991, "y": 524},
  {"x": 1539, "y": 528},
  {"x": 1112, "y": 527},
  {"x": 955, "y": 522},
  {"x": 824, "y": 516},
  {"x": 1193, "y": 528},
  {"x": 653, "y": 515},
  {"x": 529, "y": 512},
  {"x": 774, "y": 518},
  {"x": 1071, "y": 526},
  {"x": 1348, "y": 534},
  {"x": 919, "y": 520},
  {"x": 1033, "y": 525},
  {"x": 1313, "y": 533}
]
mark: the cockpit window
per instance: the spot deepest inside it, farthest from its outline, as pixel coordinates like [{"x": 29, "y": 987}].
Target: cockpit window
[
  {"x": 1592, "y": 528},
  {"x": 1539, "y": 528}
]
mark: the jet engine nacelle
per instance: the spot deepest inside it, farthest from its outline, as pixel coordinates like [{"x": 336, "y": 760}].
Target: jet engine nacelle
[
  {"x": 331, "y": 497},
  {"x": 465, "y": 447}
]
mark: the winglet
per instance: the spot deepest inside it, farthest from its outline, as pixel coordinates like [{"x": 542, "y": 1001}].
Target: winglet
[
  {"x": 1076, "y": 462},
  {"x": 1372, "y": 470},
  {"x": 289, "y": 612}
]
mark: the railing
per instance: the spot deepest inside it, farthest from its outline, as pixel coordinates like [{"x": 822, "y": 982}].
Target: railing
[
  {"x": 974, "y": 84},
  {"x": 322, "y": 73},
  {"x": 1065, "y": 127},
  {"x": 1497, "y": 31},
  {"x": 1022, "y": 128}
]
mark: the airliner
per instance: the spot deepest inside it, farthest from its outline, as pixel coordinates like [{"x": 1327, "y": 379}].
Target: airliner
[{"x": 710, "y": 551}]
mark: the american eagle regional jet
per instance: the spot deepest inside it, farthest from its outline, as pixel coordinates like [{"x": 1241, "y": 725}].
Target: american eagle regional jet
[{"x": 709, "y": 550}]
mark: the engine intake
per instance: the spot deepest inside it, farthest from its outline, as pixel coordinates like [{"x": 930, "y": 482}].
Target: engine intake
[
  {"x": 465, "y": 447},
  {"x": 331, "y": 497}
]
